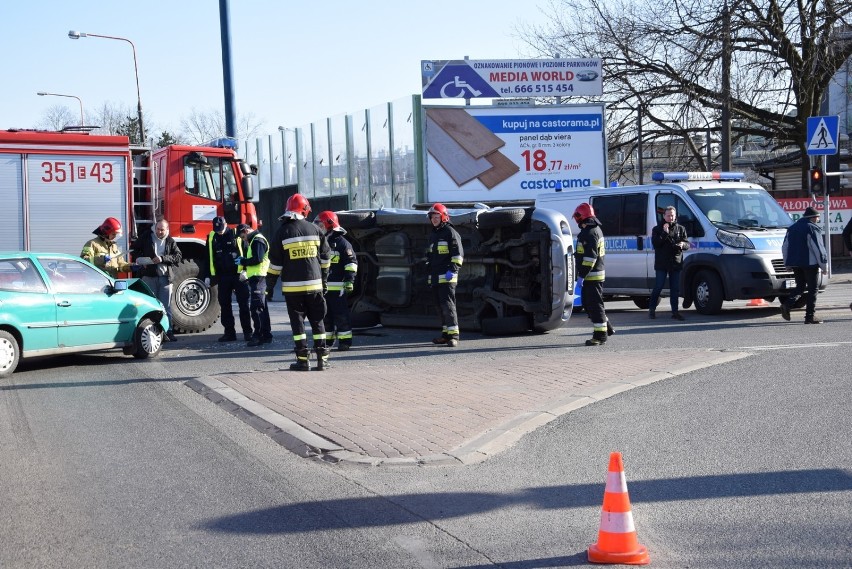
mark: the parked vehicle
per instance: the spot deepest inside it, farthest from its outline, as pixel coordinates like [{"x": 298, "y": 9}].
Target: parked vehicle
[
  {"x": 54, "y": 303},
  {"x": 518, "y": 271},
  {"x": 735, "y": 231},
  {"x": 58, "y": 186}
]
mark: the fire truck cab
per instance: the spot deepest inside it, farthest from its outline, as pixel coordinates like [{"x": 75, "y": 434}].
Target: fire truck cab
[{"x": 57, "y": 187}]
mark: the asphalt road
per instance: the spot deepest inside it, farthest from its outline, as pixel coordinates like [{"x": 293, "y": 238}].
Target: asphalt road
[{"x": 110, "y": 462}]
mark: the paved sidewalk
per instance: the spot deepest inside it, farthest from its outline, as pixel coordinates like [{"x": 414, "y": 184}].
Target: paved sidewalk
[{"x": 390, "y": 411}]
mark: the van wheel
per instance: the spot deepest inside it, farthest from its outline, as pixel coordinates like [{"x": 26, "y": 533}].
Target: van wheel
[
  {"x": 707, "y": 292},
  {"x": 10, "y": 354},
  {"x": 357, "y": 219},
  {"x": 500, "y": 218},
  {"x": 644, "y": 302}
]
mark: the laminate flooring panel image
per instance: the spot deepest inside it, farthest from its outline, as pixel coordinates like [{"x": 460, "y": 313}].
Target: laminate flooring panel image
[
  {"x": 461, "y": 166},
  {"x": 471, "y": 134},
  {"x": 503, "y": 169}
]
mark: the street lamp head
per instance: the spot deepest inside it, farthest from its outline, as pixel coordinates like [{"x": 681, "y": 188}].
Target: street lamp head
[
  {"x": 76, "y": 35},
  {"x": 41, "y": 93}
]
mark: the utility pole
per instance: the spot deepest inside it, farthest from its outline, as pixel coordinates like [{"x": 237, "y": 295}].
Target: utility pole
[
  {"x": 726, "y": 90},
  {"x": 225, "y": 27}
]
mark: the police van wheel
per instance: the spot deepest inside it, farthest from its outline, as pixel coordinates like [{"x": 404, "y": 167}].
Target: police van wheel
[
  {"x": 644, "y": 302},
  {"x": 707, "y": 292}
]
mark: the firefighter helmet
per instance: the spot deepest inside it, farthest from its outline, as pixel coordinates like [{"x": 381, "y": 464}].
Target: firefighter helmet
[
  {"x": 583, "y": 212},
  {"x": 109, "y": 226},
  {"x": 441, "y": 210},
  {"x": 297, "y": 203},
  {"x": 329, "y": 221}
]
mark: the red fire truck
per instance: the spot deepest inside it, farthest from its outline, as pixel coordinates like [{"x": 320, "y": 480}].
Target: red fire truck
[{"x": 57, "y": 187}]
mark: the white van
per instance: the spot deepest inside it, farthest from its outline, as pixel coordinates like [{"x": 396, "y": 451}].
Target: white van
[{"x": 735, "y": 230}]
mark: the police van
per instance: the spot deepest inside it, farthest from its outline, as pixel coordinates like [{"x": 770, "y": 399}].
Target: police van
[{"x": 735, "y": 231}]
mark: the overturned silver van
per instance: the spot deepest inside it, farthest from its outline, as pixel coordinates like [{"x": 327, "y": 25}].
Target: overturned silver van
[{"x": 518, "y": 272}]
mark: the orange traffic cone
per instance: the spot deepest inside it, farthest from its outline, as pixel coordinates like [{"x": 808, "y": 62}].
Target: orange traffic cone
[
  {"x": 617, "y": 541},
  {"x": 757, "y": 302}
]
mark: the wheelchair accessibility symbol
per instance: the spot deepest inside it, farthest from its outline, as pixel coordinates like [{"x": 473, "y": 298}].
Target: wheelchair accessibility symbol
[{"x": 458, "y": 88}]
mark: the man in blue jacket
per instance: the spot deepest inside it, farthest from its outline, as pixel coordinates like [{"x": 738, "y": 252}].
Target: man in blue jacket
[{"x": 804, "y": 252}]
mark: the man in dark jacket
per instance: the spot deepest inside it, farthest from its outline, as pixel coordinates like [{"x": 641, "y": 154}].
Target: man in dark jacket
[
  {"x": 589, "y": 261},
  {"x": 669, "y": 240},
  {"x": 444, "y": 259},
  {"x": 156, "y": 253},
  {"x": 223, "y": 249},
  {"x": 804, "y": 252},
  {"x": 300, "y": 255}
]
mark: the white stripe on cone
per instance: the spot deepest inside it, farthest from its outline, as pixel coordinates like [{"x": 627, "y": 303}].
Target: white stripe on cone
[
  {"x": 614, "y": 522},
  {"x": 616, "y": 483}
]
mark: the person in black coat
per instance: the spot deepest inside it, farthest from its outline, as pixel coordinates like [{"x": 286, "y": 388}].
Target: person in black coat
[
  {"x": 670, "y": 241},
  {"x": 156, "y": 253}
]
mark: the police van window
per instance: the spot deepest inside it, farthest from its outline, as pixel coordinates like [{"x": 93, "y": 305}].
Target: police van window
[
  {"x": 685, "y": 215},
  {"x": 741, "y": 208},
  {"x": 622, "y": 214}
]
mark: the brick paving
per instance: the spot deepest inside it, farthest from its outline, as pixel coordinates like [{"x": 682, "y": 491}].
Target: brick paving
[{"x": 391, "y": 411}]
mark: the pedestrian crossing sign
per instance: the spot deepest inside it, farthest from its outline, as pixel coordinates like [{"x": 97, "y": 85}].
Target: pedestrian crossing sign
[{"x": 823, "y": 133}]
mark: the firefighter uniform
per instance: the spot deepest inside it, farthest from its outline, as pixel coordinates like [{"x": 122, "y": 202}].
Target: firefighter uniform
[
  {"x": 105, "y": 255},
  {"x": 445, "y": 257},
  {"x": 300, "y": 255},
  {"x": 590, "y": 267},
  {"x": 222, "y": 250},
  {"x": 341, "y": 281},
  {"x": 256, "y": 264}
]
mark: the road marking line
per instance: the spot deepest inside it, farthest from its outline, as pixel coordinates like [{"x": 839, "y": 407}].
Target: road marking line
[{"x": 795, "y": 346}]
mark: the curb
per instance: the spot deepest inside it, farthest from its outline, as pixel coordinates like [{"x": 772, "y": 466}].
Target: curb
[{"x": 307, "y": 444}]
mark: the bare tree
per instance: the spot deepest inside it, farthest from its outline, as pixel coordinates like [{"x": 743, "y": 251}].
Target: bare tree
[
  {"x": 57, "y": 117},
  {"x": 686, "y": 65},
  {"x": 204, "y": 126},
  {"x": 112, "y": 118}
]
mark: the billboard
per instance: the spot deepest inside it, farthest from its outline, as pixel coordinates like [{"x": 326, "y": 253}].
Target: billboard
[
  {"x": 492, "y": 78},
  {"x": 504, "y": 153}
]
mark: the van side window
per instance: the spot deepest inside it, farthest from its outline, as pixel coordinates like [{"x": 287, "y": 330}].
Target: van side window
[
  {"x": 685, "y": 215},
  {"x": 622, "y": 215}
]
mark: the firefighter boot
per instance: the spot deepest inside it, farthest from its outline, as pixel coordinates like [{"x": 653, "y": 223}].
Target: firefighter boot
[
  {"x": 598, "y": 338},
  {"x": 441, "y": 340},
  {"x": 302, "y": 363},
  {"x": 322, "y": 358},
  {"x": 609, "y": 329}
]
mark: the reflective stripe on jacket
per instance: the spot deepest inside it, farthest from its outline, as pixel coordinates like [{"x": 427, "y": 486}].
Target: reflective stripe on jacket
[{"x": 300, "y": 254}]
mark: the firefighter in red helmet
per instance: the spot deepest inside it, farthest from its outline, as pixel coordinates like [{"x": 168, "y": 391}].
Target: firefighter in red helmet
[
  {"x": 300, "y": 255},
  {"x": 589, "y": 261},
  {"x": 444, "y": 259},
  {"x": 341, "y": 281},
  {"x": 103, "y": 252}
]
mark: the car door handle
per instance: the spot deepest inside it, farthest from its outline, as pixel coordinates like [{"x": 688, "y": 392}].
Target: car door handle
[{"x": 63, "y": 303}]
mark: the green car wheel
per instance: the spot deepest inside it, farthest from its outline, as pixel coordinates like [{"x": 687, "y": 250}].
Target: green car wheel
[{"x": 148, "y": 339}]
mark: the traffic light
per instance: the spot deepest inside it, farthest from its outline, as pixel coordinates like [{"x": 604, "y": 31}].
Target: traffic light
[
  {"x": 832, "y": 164},
  {"x": 817, "y": 185}
]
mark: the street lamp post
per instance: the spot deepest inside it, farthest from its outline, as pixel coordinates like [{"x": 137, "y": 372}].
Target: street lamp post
[
  {"x": 79, "y": 100},
  {"x": 74, "y": 35}
]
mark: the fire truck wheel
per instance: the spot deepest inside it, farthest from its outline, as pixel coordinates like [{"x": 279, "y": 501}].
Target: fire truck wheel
[{"x": 194, "y": 306}]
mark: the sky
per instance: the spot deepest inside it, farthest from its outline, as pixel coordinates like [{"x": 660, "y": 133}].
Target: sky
[{"x": 293, "y": 63}]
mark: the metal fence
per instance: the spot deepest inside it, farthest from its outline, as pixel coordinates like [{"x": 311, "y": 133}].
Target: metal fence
[{"x": 372, "y": 156}]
